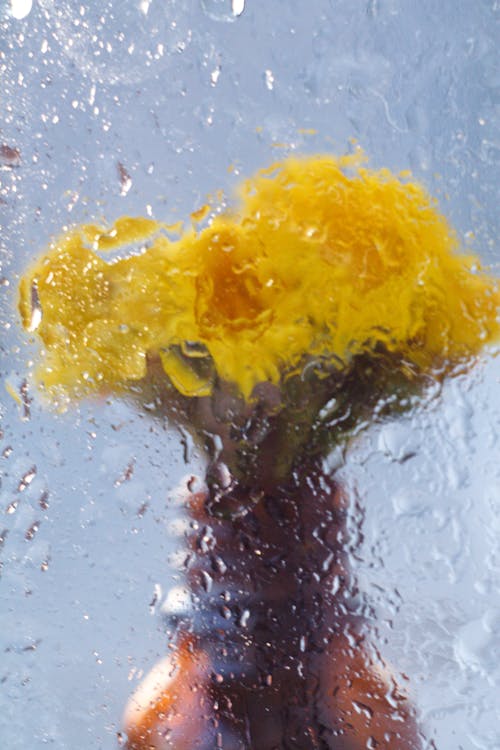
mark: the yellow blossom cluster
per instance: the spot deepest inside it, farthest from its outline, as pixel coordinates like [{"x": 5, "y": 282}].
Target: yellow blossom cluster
[{"x": 320, "y": 257}]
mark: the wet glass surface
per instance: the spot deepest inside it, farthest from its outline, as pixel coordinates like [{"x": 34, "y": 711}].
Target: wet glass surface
[{"x": 145, "y": 108}]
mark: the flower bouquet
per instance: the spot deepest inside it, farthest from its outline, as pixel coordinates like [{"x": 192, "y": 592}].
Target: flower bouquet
[{"x": 329, "y": 296}]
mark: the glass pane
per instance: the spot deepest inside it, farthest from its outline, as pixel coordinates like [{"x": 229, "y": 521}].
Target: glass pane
[{"x": 350, "y": 602}]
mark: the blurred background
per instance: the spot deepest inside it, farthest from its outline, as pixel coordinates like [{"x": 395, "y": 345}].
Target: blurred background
[{"x": 146, "y": 107}]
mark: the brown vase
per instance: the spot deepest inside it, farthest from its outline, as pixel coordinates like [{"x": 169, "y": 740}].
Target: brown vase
[{"x": 275, "y": 655}]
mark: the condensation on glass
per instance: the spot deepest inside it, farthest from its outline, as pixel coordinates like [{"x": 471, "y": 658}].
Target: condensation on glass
[{"x": 106, "y": 551}]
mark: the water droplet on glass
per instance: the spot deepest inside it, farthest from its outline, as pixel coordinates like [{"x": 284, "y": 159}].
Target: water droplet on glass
[
  {"x": 25, "y": 400},
  {"x": 242, "y": 621},
  {"x": 30, "y": 533},
  {"x": 44, "y": 500},
  {"x": 335, "y": 586},
  {"x": 362, "y": 708},
  {"x": 397, "y": 442},
  {"x": 125, "y": 179},
  {"x": 157, "y": 595},
  {"x": 206, "y": 540},
  {"x": 475, "y": 648},
  {"x": 410, "y": 501},
  {"x": 126, "y": 474},
  {"x": 10, "y": 157},
  {"x": 178, "y": 601},
  {"x": 214, "y": 76},
  {"x": 225, "y": 612},
  {"x": 269, "y": 79},
  {"x": 218, "y": 565},
  {"x": 19, "y": 9},
  {"x": 206, "y": 581},
  {"x": 36, "y": 309},
  {"x": 226, "y": 11},
  {"x": 26, "y": 479},
  {"x": 491, "y": 621}
]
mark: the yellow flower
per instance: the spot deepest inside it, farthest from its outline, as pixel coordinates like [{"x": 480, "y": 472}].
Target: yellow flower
[{"x": 321, "y": 258}]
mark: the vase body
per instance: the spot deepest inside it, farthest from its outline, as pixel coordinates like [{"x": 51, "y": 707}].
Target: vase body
[{"x": 275, "y": 655}]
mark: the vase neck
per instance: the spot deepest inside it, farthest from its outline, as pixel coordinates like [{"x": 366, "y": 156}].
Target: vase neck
[
  {"x": 275, "y": 655},
  {"x": 273, "y": 573}
]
